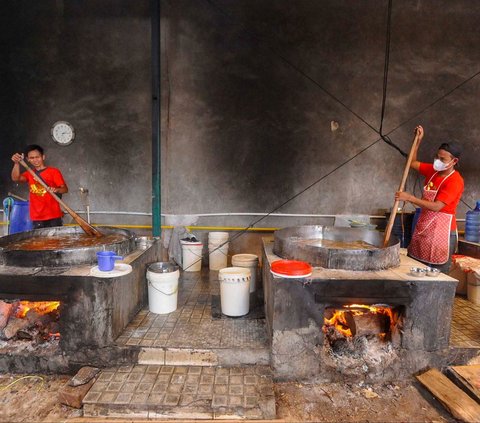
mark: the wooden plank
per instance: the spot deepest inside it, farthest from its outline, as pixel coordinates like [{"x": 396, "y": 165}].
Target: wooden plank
[
  {"x": 457, "y": 402},
  {"x": 469, "y": 377}
]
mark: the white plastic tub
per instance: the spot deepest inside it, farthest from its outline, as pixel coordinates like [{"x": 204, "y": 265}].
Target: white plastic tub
[{"x": 234, "y": 291}]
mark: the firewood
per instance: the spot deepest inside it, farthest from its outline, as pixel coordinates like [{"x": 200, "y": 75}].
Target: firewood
[
  {"x": 367, "y": 323},
  {"x": 13, "y": 326},
  {"x": 83, "y": 376},
  {"x": 5, "y": 313}
]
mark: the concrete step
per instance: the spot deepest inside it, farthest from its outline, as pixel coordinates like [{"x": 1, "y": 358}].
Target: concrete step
[
  {"x": 204, "y": 357},
  {"x": 182, "y": 392}
]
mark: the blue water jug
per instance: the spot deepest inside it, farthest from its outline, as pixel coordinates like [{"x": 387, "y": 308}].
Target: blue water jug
[
  {"x": 472, "y": 224},
  {"x": 20, "y": 217}
]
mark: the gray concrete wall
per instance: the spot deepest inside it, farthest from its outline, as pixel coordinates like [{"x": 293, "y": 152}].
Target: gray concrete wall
[{"x": 246, "y": 118}]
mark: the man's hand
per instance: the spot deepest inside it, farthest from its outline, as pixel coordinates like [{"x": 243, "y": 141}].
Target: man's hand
[
  {"x": 17, "y": 157},
  {"x": 419, "y": 131},
  {"x": 403, "y": 196}
]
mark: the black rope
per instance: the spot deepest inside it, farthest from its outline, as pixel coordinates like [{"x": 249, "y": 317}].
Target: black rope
[
  {"x": 385, "y": 66},
  {"x": 383, "y": 137}
]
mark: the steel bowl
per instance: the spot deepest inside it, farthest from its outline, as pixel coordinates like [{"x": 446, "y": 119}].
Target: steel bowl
[{"x": 418, "y": 272}]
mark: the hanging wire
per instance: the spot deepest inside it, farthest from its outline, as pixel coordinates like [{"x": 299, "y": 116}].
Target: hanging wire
[{"x": 384, "y": 137}]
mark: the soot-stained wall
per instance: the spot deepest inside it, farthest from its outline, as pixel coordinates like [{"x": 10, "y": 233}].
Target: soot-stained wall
[
  {"x": 250, "y": 89},
  {"x": 86, "y": 62}
]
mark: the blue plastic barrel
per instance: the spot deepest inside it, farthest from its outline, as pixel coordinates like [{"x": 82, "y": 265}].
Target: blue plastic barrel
[
  {"x": 20, "y": 217},
  {"x": 472, "y": 224}
]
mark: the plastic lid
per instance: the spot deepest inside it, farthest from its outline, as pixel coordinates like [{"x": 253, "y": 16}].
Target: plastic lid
[{"x": 291, "y": 268}]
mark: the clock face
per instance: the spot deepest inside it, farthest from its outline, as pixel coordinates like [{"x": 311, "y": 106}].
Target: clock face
[{"x": 63, "y": 133}]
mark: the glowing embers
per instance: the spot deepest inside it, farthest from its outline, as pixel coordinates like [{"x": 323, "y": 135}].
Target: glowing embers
[{"x": 36, "y": 321}]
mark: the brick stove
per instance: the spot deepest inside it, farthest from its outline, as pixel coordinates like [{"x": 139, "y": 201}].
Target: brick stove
[
  {"x": 93, "y": 312},
  {"x": 296, "y": 310}
]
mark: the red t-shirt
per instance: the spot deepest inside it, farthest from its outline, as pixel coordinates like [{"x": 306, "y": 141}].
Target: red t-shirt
[
  {"x": 42, "y": 205},
  {"x": 450, "y": 191}
]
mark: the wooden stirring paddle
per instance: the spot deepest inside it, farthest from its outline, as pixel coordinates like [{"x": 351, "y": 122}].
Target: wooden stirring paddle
[
  {"x": 388, "y": 230},
  {"x": 89, "y": 229}
]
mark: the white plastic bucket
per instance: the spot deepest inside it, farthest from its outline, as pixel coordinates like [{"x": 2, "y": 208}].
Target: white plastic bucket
[
  {"x": 249, "y": 261},
  {"x": 217, "y": 237},
  {"x": 217, "y": 255},
  {"x": 234, "y": 291},
  {"x": 191, "y": 256},
  {"x": 473, "y": 286},
  {"x": 162, "y": 279}
]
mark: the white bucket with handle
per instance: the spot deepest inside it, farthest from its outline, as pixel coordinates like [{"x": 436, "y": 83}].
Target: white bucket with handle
[{"x": 162, "y": 279}]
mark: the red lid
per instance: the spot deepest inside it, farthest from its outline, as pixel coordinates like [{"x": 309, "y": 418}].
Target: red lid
[{"x": 291, "y": 268}]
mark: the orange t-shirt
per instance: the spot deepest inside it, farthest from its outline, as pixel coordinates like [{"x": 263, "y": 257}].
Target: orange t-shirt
[
  {"x": 42, "y": 205},
  {"x": 450, "y": 191}
]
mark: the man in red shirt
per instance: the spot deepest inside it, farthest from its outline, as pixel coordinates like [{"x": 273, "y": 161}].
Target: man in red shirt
[
  {"x": 45, "y": 212},
  {"x": 435, "y": 237}
]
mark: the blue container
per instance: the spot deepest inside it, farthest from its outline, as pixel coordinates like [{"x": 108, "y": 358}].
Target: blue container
[
  {"x": 472, "y": 224},
  {"x": 418, "y": 210},
  {"x": 106, "y": 260},
  {"x": 20, "y": 217}
]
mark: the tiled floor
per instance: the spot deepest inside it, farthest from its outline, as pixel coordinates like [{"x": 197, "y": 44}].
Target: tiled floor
[
  {"x": 465, "y": 324},
  {"x": 182, "y": 392},
  {"x": 191, "y": 325}
]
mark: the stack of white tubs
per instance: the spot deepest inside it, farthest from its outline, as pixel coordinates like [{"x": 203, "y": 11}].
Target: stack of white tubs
[
  {"x": 249, "y": 261},
  {"x": 218, "y": 250}
]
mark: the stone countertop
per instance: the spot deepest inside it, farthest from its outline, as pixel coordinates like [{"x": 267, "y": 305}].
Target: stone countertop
[
  {"x": 401, "y": 272},
  {"x": 79, "y": 270}
]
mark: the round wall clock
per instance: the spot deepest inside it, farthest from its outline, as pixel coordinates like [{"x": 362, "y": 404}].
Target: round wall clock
[{"x": 63, "y": 133}]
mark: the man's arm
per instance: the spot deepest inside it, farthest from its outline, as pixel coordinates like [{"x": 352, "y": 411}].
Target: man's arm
[
  {"x": 430, "y": 205},
  {"x": 16, "y": 174}
]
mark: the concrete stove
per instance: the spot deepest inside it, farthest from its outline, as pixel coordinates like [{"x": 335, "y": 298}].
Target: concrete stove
[
  {"x": 93, "y": 311},
  {"x": 295, "y": 311}
]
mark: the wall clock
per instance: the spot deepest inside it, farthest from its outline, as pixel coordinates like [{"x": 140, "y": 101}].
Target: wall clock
[{"x": 62, "y": 133}]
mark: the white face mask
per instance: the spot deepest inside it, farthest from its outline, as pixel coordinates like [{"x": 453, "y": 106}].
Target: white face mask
[{"x": 438, "y": 165}]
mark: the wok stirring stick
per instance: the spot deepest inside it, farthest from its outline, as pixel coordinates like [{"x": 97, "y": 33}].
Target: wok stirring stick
[
  {"x": 89, "y": 229},
  {"x": 388, "y": 230}
]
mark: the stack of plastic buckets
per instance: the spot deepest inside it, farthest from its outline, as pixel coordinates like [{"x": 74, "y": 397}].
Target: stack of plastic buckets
[
  {"x": 191, "y": 256},
  {"x": 218, "y": 250},
  {"x": 249, "y": 261},
  {"x": 234, "y": 291}
]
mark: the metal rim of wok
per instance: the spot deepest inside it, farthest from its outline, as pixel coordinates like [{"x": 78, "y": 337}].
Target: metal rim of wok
[
  {"x": 289, "y": 243},
  {"x": 65, "y": 256}
]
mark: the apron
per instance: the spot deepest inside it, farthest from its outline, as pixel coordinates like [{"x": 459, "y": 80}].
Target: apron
[{"x": 431, "y": 240}]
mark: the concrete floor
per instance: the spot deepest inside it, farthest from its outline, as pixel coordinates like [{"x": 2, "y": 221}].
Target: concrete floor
[{"x": 193, "y": 365}]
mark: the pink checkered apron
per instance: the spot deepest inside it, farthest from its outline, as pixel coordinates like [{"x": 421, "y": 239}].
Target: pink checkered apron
[{"x": 431, "y": 240}]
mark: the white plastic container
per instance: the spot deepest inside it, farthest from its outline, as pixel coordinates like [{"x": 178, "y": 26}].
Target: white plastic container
[
  {"x": 473, "y": 285},
  {"x": 249, "y": 261},
  {"x": 234, "y": 291},
  {"x": 191, "y": 256},
  {"x": 162, "y": 279},
  {"x": 218, "y": 255},
  {"x": 217, "y": 237}
]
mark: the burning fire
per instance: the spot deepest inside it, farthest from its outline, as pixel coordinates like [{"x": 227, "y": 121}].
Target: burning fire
[
  {"x": 41, "y": 307},
  {"x": 339, "y": 322}
]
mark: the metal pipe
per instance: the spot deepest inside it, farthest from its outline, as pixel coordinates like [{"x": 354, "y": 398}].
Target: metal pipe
[{"x": 155, "y": 48}]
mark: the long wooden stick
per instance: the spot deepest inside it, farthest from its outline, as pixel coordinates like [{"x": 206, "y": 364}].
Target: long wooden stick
[
  {"x": 89, "y": 229},
  {"x": 393, "y": 214}
]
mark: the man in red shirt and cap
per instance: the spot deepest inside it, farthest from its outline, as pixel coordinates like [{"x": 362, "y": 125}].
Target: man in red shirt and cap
[
  {"x": 435, "y": 236},
  {"x": 45, "y": 212}
]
